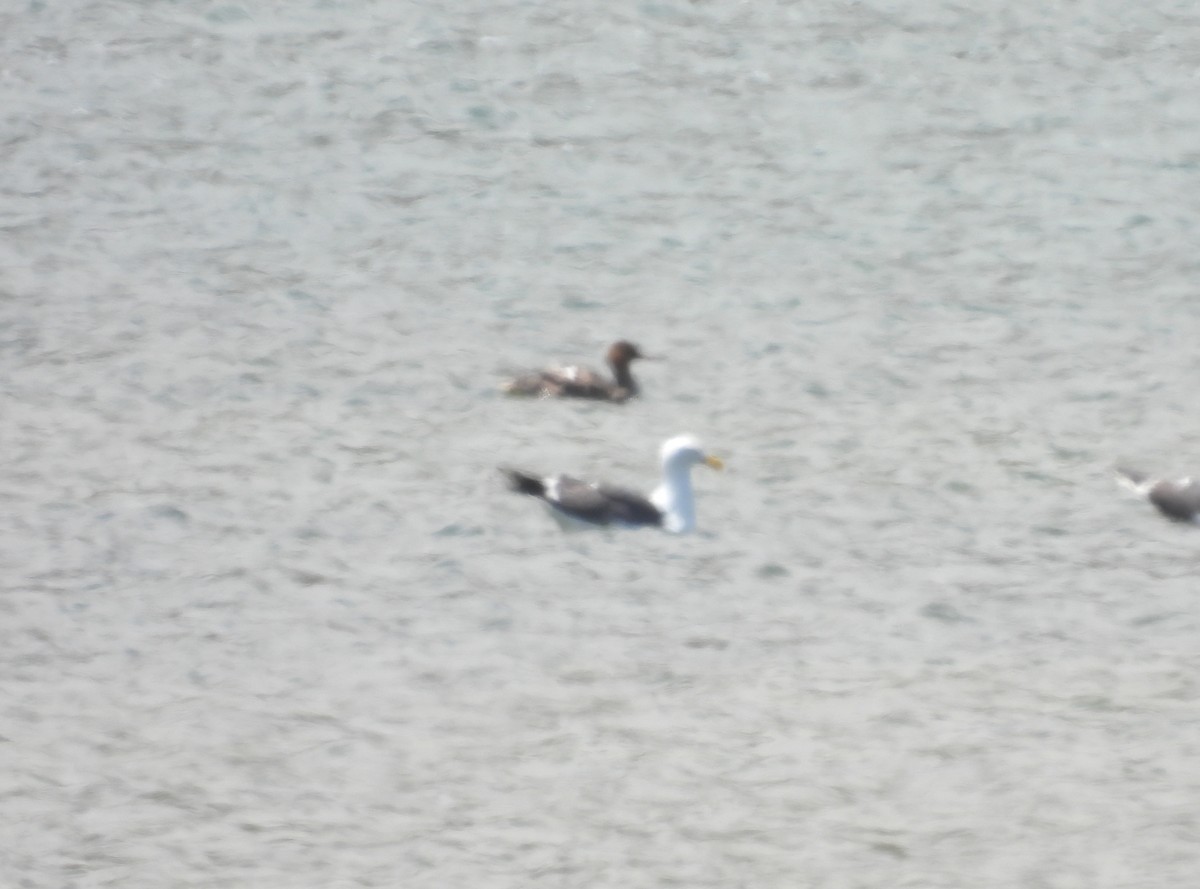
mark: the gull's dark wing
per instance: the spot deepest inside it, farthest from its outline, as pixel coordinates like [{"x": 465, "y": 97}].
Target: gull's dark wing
[
  {"x": 603, "y": 504},
  {"x": 630, "y": 507}
]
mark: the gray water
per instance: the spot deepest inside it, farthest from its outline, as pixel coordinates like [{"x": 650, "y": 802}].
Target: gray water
[{"x": 919, "y": 273}]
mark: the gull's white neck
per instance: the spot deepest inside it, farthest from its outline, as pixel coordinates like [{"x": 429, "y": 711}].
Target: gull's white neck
[{"x": 674, "y": 498}]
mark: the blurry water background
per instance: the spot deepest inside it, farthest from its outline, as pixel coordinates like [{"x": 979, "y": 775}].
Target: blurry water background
[{"x": 921, "y": 272}]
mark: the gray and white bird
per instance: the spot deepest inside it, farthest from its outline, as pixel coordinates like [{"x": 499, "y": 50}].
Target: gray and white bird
[
  {"x": 1177, "y": 499},
  {"x": 579, "y": 504}
]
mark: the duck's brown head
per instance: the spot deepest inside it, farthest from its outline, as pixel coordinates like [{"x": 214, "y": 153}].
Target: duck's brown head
[
  {"x": 619, "y": 356},
  {"x": 622, "y": 352}
]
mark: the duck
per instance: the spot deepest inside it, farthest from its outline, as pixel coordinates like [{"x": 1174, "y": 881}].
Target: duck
[
  {"x": 577, "y": 504},
  {"x": 583, "y": 382},
  {"x": 1177, "y": 499}
]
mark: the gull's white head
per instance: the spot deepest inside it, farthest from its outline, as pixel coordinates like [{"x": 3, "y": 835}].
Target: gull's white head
[
  {"x": 674, "y": 495},
  {"x": 685, "y": 451}
]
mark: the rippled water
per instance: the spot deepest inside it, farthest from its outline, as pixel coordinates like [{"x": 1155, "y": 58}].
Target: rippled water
[{"x": 921, "y": 273}]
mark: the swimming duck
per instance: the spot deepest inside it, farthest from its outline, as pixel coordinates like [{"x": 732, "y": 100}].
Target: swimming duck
[{"x": 583, "y": 382}]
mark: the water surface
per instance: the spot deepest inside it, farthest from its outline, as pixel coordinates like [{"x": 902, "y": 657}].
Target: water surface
[{"x": 920, "y": 273}]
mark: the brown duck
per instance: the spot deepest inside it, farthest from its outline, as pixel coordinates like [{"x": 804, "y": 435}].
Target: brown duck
[{"x": 583, "y": 382}]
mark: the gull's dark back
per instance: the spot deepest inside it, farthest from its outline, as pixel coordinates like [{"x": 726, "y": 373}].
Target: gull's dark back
[
  {"x": 604, "y": 504},
  {"x": 597, "y": 504}
]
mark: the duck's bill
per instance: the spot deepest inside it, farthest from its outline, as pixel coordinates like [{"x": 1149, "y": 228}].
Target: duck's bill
[{"x": 715, "y": 462}]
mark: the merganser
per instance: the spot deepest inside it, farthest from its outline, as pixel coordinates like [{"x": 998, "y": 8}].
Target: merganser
[{"x": 582, "y": 382}]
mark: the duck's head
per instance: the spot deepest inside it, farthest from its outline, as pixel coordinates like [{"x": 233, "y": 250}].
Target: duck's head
[{"x": 622, "y": 352}]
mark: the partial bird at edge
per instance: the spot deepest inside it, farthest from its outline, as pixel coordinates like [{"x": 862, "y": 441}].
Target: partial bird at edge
[{"x": 1177, "y": 499}]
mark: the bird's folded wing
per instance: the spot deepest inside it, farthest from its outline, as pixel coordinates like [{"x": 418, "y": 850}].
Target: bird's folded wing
[{"x": 603, "y": 504}]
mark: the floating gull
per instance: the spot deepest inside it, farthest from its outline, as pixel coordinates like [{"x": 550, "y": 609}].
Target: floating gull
[
  {"x": 1177, "y": 499},
  {"x": 576, "y": 504},
  {"x": 582, "y": 382}
]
